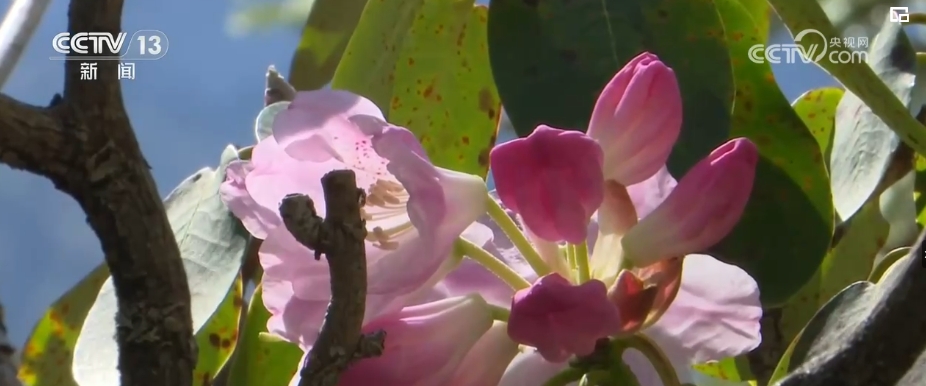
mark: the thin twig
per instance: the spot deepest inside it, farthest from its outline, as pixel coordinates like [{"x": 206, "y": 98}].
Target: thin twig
[
  {"x": 84, "y": 144},
  {"x": 18, "y": 26},
  {"x": 9, "y": 366},
  {"x": 340, "y": 237}
]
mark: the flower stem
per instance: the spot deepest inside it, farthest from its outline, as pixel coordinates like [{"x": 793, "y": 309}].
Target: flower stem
[
  {"x": 517, "y": 237},
  {"x": 581, "y": 256},
  {"x": 657, "y": 358},
  {"x": 500, "y": 314},
  {"x": 496, "y": 266}
]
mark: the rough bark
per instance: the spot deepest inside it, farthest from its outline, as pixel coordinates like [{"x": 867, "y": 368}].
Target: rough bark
[
  {"x": 84, "y": 144},
  {"x": 340, "y": 237}
]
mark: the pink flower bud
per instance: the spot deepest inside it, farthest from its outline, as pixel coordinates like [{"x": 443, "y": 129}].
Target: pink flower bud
[
  {"x": 552, "y": 179},
  {"x": 701, "y": 210},
  {"x": 561, "y": 319},
  {"x": 425, "y": 344},
  {"x": 637, "y": 119}
]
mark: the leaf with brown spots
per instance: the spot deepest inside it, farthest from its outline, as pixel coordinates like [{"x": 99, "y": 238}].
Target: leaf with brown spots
[
  {"x": 786, "y": 229},
  {"x": 326, "y": 33},
  {"x": 552, "y": 58},
  {"x": 262, "y": 361},
  {"x": 817, "y": 108},
  {"x": 851, "y": 260},
  {"x": 49, "y": 350},
  {"x": 218, "y": 337},
  {"x": 426, "y": 64}
]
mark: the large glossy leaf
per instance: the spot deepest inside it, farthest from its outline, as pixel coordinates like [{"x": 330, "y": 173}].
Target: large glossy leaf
[
  {"x": 551, "y": 58},
  {"x": 50, "y": 347},
  {"x": 861, "y": 315},
  {"x": 426, "y": 64},
  {"x": 260, "y": 361},
  {"x": 212, "y": 243},
  {"x": 788, "y": 222},
  {"x": 859, "y": 78},
  {"x": 817, "y": 108},
  {"x": 863, "y": 144},
  {"x": 219, "y": 337},
  {"x": 851, "y": 260},
  {"x": 760, "y": 12},
  {"x": 325, "y": 35}
]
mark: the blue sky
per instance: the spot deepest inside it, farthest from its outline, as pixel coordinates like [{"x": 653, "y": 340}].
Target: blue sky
[{"x": 185, "y": 108}]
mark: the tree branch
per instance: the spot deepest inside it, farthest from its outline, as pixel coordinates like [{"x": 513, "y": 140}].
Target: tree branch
[
  {"x": 8, "y": 363},
  {"x": 340, "y": 237},
  {"x": 85, "y": 145}
]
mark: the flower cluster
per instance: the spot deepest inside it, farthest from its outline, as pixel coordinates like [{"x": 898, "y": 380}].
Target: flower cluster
[{"x": 588, "y": 240}]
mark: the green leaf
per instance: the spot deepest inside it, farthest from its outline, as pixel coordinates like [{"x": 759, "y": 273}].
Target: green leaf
[
  {"x": 919, "y": 189},
  {"x": 791, "y": 191},
  {"x": 212, "y": 243},
  {"x": 325, "y": 36},
  {"x": 851, "y": 318},
  {"x": 728, "y": 370},
  {"x": 760, "y": 12},
  {"x": 50, "y": 347},
  {"x": 851, "y": 260},
  {"x": 426, "y": 64},
  {"x": 259, "y": 361},
  {"x": 863, "y": 144},
  {"x": 263, "y": 126},
  {"x": 551, "y": 58},
  {"x": 859, "y": 78},
  {"x": 888, "y": 261},
  {"x": 817, "y": 108},
  {"x": 218, "y": 338}
]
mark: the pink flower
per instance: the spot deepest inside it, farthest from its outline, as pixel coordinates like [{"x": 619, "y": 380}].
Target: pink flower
[
  {"x": 561, "y": 319},
  {"x": 701, "y": 210},
  {"x": 415, "y": 211},
  {"x": 424, "y": 345},
  {"x": 553, "y": 179},
  {"x": 715, "y": 315},
  {"x": 486, "y": 362},
  {"x": 637, "y": 119},
  {"x": 644, "y": 218}
]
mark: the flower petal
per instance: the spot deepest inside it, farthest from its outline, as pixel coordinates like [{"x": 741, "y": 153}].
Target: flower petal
[
  {"x": 715, "y": 314},
  {"x": 704, "y": 207},
  {"x": 294, "y": 319},
  {"x": 647, "y": 195},
  {"x": 561, "y": 319},
  {"x": 530, "y": 369},
  {"x": 555, "y": 196},
  {"x": 441, "y": 205},
  {"x": 425, "y": 343},
  {"x": 637, "y": 119},
  {"x": 312, "y": 126},
  {"x": 487, "y": 361},
  {"x": 257, "y": 219}
]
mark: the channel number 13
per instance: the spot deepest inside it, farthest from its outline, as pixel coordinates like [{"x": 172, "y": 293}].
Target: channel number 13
[{"x": 150, "y": 45}]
